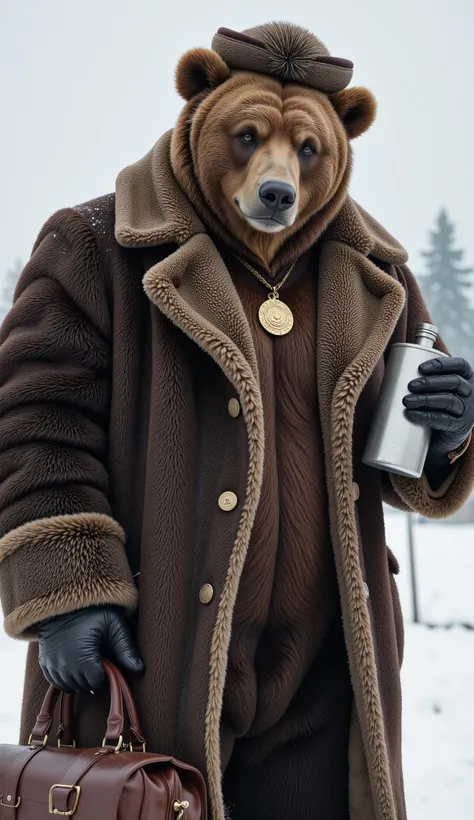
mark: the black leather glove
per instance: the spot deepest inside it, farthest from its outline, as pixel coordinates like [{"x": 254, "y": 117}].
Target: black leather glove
[
  {"x": 443, "y": 399},
  {"x": 71, "y": 647}
]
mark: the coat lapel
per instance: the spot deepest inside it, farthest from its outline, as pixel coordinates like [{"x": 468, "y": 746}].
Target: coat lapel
[
  {"x": 358, "y": 309},
  {"x": 193, "y": 288}
]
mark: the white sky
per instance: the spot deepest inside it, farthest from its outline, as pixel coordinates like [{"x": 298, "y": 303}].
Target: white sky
[{"x": 88, "y": 88}]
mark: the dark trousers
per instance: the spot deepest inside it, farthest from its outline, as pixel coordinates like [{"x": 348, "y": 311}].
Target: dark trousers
[{"x": 300, "y": 770}]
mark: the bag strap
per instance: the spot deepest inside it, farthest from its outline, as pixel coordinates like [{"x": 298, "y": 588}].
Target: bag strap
[
  {"x": 136, "y": 733},
  {"x": 60, "y": 795},
  {"x": 9, "y": 800},
  {"x": 65, "y": 733},
  {"x": 115, "y": 725},
  {"x": 119, "y": 694},
  {"x": 115, "y": 720},
  {"x": 44, "y": 721}
]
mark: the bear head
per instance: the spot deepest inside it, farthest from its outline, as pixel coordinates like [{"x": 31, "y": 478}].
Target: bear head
[{"x": 262, "y": 153}]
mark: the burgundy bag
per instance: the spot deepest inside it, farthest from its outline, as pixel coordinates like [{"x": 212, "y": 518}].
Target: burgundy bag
[{"x": 116, "y": 781}]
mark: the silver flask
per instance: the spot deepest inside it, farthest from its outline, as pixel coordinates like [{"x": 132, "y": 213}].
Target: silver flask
[{"x": 396, "y": 444}]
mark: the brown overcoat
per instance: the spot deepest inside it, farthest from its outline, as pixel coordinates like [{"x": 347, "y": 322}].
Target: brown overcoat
[{"x": 125, "y": 344}]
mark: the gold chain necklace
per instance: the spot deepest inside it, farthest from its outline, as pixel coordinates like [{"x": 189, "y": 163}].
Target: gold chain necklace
[{"x": 274, "y": 315}]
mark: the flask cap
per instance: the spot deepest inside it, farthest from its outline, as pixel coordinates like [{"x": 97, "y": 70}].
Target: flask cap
[{"x": 426, "y": 335}]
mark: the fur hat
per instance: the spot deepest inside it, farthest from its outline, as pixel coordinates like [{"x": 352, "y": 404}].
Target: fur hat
[{"x": 286, "y": 51}]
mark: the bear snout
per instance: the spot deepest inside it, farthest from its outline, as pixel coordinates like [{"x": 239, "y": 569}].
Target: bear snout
[{"x": 277, "y": 196}]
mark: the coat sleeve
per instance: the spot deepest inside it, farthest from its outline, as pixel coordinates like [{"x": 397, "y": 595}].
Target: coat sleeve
[
  {"x": 60, "y": 547},
  {"x": 411, "y": 494}
]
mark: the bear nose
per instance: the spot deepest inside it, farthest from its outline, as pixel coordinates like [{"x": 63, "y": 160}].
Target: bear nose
[{"x": 278, "y": 196}]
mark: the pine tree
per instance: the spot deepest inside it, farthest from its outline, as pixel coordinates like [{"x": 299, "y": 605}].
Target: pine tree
[
  {"x": 446, "y": 285},
  {"x": 9, "y": 284}
]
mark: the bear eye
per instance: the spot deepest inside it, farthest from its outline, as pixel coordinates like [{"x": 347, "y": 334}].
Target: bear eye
[
  {"x": 248, "y": 138},
  {"x": 307, "y": 149}
]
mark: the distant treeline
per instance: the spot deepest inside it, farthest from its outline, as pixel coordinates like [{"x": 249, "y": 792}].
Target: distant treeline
[{"x": 446, "y": 284}]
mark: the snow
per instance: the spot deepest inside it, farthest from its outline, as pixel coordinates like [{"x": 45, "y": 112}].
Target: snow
[
  {"x": 12, "y": 654},
  {"x": 438, "y": 672},
  {"x": 444, "y": 560},
  {"x": 438, "y": 686}
]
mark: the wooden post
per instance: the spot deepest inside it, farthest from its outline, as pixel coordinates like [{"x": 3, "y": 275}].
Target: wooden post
[{"x": 414, "y": 579}]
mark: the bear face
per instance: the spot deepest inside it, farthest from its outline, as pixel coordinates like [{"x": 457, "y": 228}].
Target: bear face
[{"x": 267, "y": 156}]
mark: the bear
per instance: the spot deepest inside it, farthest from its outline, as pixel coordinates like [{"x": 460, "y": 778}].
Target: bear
[
  {"x": 254, "y": 131},
  {"x": 188, "y": 376}
]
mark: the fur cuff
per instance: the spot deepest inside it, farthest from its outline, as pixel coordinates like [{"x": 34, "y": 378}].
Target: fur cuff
[
  {"x": 445, "y": 501},
  {"x": 57, "y": 565}
]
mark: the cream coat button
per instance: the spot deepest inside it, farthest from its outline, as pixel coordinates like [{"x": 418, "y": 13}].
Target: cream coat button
[
  {"x": 206, "y": 594},
  {"x": 234, "y": 408},
  {"x": 228, "y": 501},
  {"x": 366, "y": 591},
  {"x": 356, "y": 491}
]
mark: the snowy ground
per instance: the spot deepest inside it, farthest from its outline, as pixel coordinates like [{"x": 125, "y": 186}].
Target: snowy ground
[{"x": 438, "y": 673}]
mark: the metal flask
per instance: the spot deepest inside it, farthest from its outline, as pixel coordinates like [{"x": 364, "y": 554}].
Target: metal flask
[{"x": 396, "y": 444}]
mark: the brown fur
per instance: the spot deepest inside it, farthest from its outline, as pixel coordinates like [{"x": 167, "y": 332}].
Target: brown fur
[
  {"x": 356, "y": 108},
  {"x": 338, "y": 405},
  {"x": 289, "y": 49},
  {"x": 161, "y": 291},
  {"x": 360, "y": 797},
  {"x": 199, "y": 70},
  {"x": 208, "y": 151},
  {"x": 285, "y": 607},
  {"x": 75, "y": 560}
]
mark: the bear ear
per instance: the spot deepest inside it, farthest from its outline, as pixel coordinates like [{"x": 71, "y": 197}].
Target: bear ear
[
  {"x": 199, "y": 70},
  {"x": 356, "y": 108}
]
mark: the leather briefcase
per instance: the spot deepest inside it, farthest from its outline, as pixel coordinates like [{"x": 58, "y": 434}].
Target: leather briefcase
[{"x": 115, "y": 781}]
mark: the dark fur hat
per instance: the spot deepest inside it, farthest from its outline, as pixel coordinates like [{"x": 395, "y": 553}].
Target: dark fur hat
[{"x": 286, "y": 51}]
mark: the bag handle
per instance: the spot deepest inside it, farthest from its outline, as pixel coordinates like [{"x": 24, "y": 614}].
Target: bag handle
[
  {"x": 65, "y": 733},
  {"x": 120, "y": 694},
  {"x": 136, "y": 733}
]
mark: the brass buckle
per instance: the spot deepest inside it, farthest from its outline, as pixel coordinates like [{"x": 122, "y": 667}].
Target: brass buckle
[
  {"x": 130, "y": 746},
  {"x": 52, "y": 810},
  {"x": 34, "y": 746},
  {"x": 120, "y": 745},
  {"x": 180, "y": 806},
  {"x": 10, "y": 804},
  {"x": 66, "y": 745}
]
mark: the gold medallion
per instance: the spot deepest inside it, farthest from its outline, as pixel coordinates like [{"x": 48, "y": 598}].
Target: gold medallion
[{"x": 275, "y": 316}]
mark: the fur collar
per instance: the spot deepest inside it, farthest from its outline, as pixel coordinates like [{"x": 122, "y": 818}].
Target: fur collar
[{"x": 152, "y": 209}]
